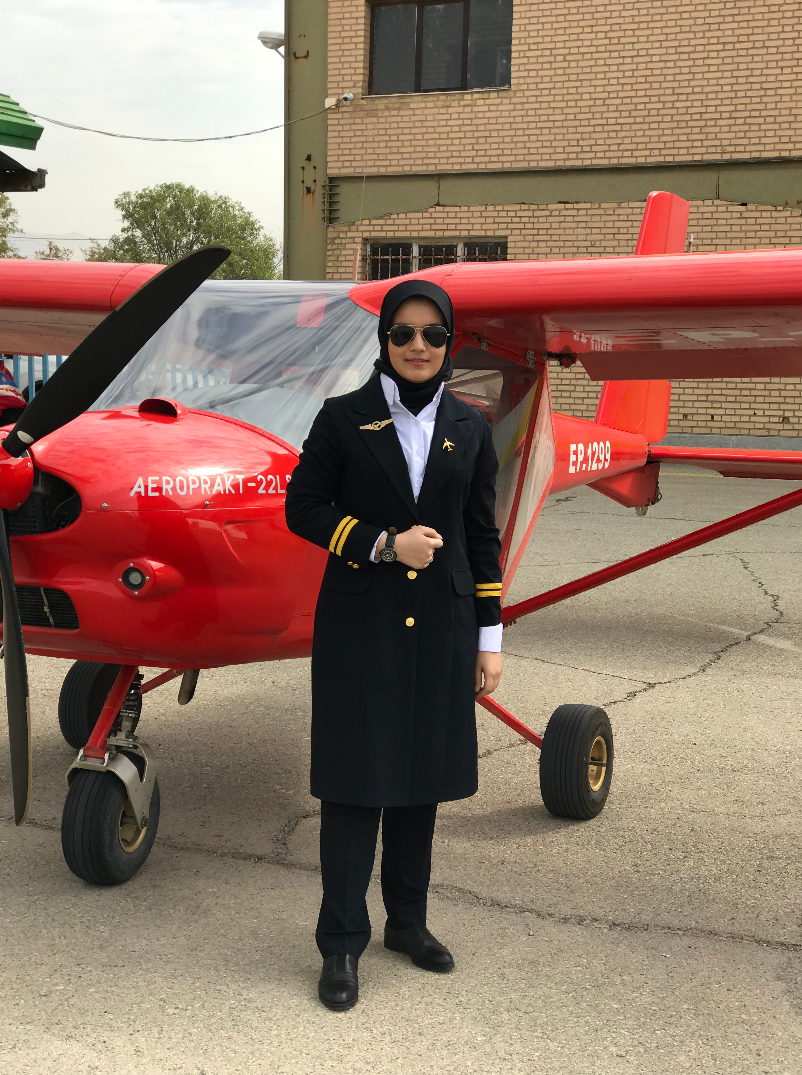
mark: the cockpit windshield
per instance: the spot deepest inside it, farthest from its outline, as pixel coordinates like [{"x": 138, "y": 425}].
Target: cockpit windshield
[
  {"x": 265, "y": 351},
  {"x": 269, "y": 352}
]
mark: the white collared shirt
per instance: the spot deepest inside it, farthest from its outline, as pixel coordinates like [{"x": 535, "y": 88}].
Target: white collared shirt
[{"x": 415, "y": 432}]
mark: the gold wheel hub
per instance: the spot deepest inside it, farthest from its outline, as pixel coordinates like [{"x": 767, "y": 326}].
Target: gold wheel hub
[
  {"x": 130, "y": 834},
  {"x": 597, "y": 766}
]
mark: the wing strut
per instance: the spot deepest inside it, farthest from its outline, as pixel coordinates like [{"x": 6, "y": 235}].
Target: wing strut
[{"x": 654, "y": 556}]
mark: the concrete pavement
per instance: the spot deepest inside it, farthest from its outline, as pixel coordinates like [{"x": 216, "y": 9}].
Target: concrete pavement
[{"x": 663, "y": 937}]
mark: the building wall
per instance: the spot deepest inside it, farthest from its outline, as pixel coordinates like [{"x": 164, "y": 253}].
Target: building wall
[
  {"x": 770, "y": 407},
  {"x": 567, "y": 231},
  {"x": 626, "y": 81}
]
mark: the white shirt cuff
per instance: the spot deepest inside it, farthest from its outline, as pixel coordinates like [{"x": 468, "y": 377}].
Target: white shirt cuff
[
  {"x": 490, "y": 639},
  {"x": 373, "y": 554}
]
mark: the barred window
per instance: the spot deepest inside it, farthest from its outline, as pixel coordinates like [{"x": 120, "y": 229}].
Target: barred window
[
  {"x": 423, "y": 47},
  {"x": 396, "y": 258},
  {"x": 390, "y": 259}
]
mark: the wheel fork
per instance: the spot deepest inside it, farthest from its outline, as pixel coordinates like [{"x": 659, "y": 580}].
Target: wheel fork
[{"x": 103, "y": 751}]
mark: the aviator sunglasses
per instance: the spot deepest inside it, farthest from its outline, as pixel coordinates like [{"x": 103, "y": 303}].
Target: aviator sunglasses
[{"x": 434, "y": 335}]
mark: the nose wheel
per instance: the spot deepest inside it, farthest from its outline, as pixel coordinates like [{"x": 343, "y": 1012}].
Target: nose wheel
[
  {"x": 103, "y": 840},
  {"x": 111, "y": 813}
]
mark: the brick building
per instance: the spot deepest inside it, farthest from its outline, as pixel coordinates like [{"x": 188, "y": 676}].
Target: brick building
[{"x": 527, "y": 129}]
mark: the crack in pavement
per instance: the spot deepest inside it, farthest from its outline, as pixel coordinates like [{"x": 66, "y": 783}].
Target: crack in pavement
[
  {"x": 467, "y": 896},
  {"x": 684, "y": 555},
  {"x": 573, "y": 667},
  {"x": 649, "y": 685},
  {"x": 507, "y": 746},
  {"x": 282, "y": 838},
  {"x": 716, "y": 656}
]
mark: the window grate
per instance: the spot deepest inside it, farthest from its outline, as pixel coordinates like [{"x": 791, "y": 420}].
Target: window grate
[
  {"x": 390, "y": 259},
  {"x": 397, "y": 258}
]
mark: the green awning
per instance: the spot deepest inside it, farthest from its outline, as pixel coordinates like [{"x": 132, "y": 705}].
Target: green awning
[{"x": 16, "y": 126}]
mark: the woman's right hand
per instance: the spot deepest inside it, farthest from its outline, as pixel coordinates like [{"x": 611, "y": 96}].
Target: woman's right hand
[{"x": 415, "y": 547}]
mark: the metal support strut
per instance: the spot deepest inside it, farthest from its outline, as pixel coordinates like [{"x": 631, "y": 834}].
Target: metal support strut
[{"x": 654, "y": 556}]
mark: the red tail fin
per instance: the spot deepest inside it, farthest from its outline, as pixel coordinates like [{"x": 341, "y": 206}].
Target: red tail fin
[
  {"x": 664, "y": 224},
  {"x": 636, "y": 406},
  {"x": 642, "y": 406}
]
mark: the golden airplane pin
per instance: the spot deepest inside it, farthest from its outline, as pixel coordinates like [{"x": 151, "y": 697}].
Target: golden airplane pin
[
  {"x": 377, "y": 424},
  {"x": 447, "y": 444}
]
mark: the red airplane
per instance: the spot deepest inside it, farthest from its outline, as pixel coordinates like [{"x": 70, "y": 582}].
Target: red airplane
[{"x": 143, "y": 486}]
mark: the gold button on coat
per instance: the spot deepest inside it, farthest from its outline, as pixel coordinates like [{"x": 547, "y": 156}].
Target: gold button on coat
[
  {"x": 409, "y": 621},
  {"x": 412, "y": 574}
]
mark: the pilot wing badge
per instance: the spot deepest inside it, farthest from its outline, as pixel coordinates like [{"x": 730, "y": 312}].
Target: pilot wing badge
[
  {"x": 377, "y": 424},
  {"x": 448, "y": 445}
]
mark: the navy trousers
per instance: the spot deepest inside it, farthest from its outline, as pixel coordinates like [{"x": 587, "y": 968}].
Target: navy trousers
[{"x": 347, "y": 851}]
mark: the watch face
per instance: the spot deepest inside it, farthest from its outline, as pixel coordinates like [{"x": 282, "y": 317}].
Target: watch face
[{"x": 388, "y": 555}]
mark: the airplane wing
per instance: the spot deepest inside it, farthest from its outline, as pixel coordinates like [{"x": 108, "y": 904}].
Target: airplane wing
[
  {"x": 640, "y": 317},
  {"x": 733, "y": 462},
  {"x": 49, "y": 307}
]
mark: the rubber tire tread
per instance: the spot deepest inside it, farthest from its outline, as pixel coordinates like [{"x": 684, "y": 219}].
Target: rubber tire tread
[
  {"x": 563, "y": 765},
  {"x": 89, "y": 829},
  {"x": 83, "y": 693}
]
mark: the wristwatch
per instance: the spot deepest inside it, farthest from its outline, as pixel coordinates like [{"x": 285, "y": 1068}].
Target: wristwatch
[{"x": 388, "y": 553}]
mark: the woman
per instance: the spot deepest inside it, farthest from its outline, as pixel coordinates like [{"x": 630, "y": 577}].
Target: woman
[{"x": 396, "y": 480}]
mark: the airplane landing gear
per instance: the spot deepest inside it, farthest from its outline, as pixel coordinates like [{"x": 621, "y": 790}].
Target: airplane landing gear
[
  {"x": 112, "y": 810},
  {"x": 576, "y": 763}
]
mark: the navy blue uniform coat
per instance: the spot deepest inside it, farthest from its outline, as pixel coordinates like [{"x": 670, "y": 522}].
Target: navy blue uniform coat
[{"x": 394, "y": 651}]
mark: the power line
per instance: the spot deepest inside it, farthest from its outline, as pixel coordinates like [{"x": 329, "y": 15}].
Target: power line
[
  {"x": 59, "y": 238},
  {"x": 144, "y": 138}
]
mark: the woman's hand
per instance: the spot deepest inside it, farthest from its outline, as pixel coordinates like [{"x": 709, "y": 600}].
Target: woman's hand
[
  {"x": 488, "y": 673},
  {"x": 415, "y": 547}
]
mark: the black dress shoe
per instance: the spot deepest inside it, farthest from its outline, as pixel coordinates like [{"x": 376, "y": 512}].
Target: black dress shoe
[
  {"x": 338, "y": 987},
  {"x": 422, "y": 948}
]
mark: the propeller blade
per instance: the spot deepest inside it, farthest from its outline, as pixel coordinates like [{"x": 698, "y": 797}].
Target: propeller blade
[
  {"x": 17, "y": 700},
  {"x": 109, "y": 348}
]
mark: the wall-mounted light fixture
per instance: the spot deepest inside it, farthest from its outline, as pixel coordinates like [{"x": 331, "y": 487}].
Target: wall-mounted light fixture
[{"x": 272, "y": 39}]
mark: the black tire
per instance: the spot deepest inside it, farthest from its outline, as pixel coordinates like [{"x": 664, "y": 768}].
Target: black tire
[
  {"x": 91, "y": 832},
  {"x": 571, "y": 785},
  {"x": 83, "y": 693}
]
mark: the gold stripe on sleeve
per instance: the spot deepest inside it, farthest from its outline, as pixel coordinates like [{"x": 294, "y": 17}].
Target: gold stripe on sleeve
[
  {"x": 488, "y": 585},
  {"x": 345, "y": 533},
  {"x": 337, "y": 532}
]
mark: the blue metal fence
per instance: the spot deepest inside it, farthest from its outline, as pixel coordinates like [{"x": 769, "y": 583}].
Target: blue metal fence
[{"x": 28, "y": 369}]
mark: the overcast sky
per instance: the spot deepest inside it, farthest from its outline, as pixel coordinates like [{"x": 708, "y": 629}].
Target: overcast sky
[{"x": 170, "y": 68}]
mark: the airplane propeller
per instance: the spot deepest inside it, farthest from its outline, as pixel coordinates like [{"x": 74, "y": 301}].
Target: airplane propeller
[{"x": 73, "y": 388}]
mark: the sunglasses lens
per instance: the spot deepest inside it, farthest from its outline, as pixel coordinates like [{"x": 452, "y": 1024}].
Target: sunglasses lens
[
  {"x": 401, "y": 335},
  {"x": 435, "y": 335}
]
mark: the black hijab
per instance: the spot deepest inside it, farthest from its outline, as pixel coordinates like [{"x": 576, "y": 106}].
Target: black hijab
[{"x": 415, "y": 395}]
